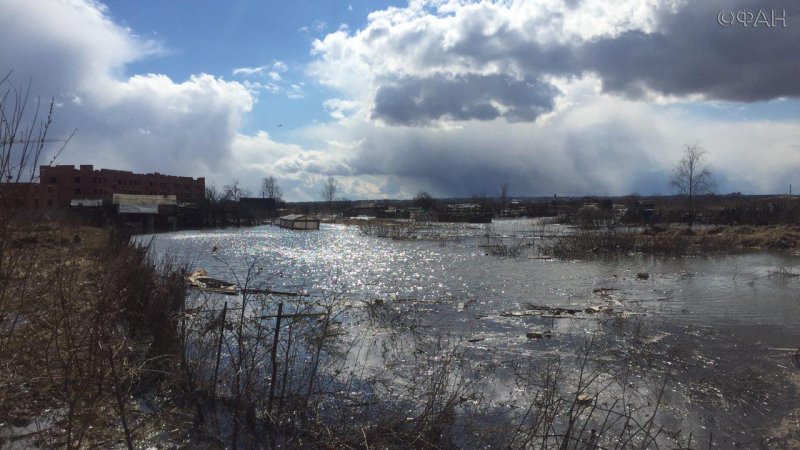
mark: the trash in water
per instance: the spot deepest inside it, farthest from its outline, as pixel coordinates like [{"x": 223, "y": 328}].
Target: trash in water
[{"x": 539, "y": 334}]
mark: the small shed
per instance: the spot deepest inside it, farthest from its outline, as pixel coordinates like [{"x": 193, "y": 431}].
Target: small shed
[{"x": 298, "y": 222}]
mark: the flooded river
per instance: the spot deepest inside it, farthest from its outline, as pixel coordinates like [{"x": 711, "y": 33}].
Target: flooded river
[{"x": 711, "y": 340}]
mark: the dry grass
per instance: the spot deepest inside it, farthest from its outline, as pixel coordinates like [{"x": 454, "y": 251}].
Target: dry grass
[
  {"x": 103, "y": 326},
  {"x": 673, "y": 241},
  {"x": 86, "y": 319}
]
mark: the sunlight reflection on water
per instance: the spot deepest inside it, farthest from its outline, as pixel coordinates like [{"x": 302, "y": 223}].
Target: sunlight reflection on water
[
  {"x": 721, "y": 289},
  {"x": 718, "y": 311}
]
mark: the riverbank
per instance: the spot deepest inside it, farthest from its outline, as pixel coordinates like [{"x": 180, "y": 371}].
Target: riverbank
[
  {"x": 87, "y": 323},
  {"x": 500, "y": 341},
  {"x": 673, "y": 241},
  {"x": 109, "y": 348},
  {"x": 743, "y": 237}
]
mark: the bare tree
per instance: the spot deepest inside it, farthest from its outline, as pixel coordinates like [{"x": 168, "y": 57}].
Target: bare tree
[
  {"x": 213, "y": 196},
  {"x": 503, "y": 196},
  {"x": 692, "y": 178},
  {"x": 329, "y": 192},
  {"x": 24, "y": 133},
  {"x": 424, "y": 200},
  {"x": 270, "y": 188},
  {"x": 234, "y": 192}
]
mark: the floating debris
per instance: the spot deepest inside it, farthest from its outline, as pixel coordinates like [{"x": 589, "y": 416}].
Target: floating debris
[
  {"x": 598, "y": 309},
  {"x": 590, "y": 312},
  {"x": 552, "y": 309},
  {"x": 200, "y": 280},
  {"x": 538, "y": 334},
  {"x": 274, "y": 292},
  {"x": 602, "y": 290},
  {"x": 642, "y": 276}
]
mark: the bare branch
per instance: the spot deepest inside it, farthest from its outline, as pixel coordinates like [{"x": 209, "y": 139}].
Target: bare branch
[
  {"x": 270, "y": 188},
  {"x": 329, "y": 190},
  {"x": 691, "y": 177}
]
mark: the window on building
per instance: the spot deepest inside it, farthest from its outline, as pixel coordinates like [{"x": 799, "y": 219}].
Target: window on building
[
  {"x": 77, "y": 179},
  {"x": 52, "y": 180},
  {"x": 77, "y": 190},
  {"x": 50, "y": 202}
]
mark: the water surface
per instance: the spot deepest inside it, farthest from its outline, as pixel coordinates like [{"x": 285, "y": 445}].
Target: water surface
[{"x": 722, "y": 326}]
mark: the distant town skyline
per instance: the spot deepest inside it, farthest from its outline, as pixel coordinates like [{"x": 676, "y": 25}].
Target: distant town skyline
[{"x": 567, "y": 97}]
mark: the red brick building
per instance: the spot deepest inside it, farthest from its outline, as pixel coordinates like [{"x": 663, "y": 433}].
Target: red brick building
[{"x": 59, "y": 185}]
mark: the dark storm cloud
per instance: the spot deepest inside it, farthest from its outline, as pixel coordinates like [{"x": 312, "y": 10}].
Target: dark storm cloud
[
  {"x": 566, "y": 158},
  {"x": 687, "y": 52},
  {"x": 691, "y": 53},
  {"x": 410, "y": 101}
]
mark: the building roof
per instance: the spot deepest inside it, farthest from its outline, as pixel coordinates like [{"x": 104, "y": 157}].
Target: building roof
[{"x": 296, "y": 217}]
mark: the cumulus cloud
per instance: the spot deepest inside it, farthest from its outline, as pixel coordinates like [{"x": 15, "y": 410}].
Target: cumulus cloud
[
  {"x": 454, "y": 97},
  {"x": 690, "y": 53},
  {"x": 599, "y": 145},
  {"x": 669, "y": 47},
  {"x": 269, "y": 78},
  {"x": 270, "y": 70},
  {"x": 558, "y": 96},
  {"x": 414, "y": 100},
  {"x": 72, "y": 50}
]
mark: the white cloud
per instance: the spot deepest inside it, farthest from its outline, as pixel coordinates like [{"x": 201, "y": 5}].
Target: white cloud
[
  {"x": 250, "y": 71},
  {"x": 280, "y": 66},
  {"x": 267, "y": 78},
  {"x": 270, "y": 70},
  {"x": 339, "y": 108},
  {"x": 431, "y": 93},
  {"x": 535, "y": 122},
  {"x": 143, "y": 123},
  {"x": 296, "y": 91}
]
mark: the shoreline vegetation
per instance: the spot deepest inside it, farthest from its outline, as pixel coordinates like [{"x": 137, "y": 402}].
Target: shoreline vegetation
[
  {"x": 673, "y": 240},
  {"x": 102, "y": 346}
]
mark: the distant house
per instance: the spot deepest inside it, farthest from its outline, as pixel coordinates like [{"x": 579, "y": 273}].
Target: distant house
[
  {"x": 375, "y": 209},
  {"x": 259, "y": 208},
  {"x": 298, "y": 222},
  {"x": 465, "y": 212},
  {"x": 147, "y": 211}
]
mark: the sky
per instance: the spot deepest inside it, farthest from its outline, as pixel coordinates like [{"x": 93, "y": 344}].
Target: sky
[{"x": 452, "y": 97}]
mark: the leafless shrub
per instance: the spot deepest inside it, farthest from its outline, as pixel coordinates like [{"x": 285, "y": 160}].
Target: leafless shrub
[
  {"x": 784, "y": 273},
  {"x": 398, "y": 231},
  {"x": 615, "y": 241}
]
